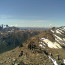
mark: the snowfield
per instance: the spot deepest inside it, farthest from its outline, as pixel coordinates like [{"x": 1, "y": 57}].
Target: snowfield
[
  {"x": 52, "y": 44},
  {"x": 49, "y": 44}
]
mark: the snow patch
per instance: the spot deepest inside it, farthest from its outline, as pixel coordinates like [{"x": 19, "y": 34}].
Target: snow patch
[
  {"x": 53, "y": 60},
  {"x": 63, "y": 39},
  {"x": 63, "y": 28},
  {"x": 52, "y": 31},
  {"x": 64, "y": 61},
  {"x": 57, "y": 31},
  {"x": 41, "y": 45},
  {"x": 52, "y": 44},
  {"x": 57, "y": 40},
  {"x": 42, "y": 38},
  {"x": 58, "y": 37},
  {"x": 61, "y": 31}
]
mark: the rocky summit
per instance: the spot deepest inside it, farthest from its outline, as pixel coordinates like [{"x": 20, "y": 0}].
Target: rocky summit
[{"x": 46, "y": 48}]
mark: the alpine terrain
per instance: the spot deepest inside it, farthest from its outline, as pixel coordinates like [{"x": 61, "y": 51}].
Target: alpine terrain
[{"x": 46, "y": 48}]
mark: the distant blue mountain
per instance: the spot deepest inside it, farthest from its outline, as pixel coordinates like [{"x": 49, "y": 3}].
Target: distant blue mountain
[{"x": 34, "y": 28}]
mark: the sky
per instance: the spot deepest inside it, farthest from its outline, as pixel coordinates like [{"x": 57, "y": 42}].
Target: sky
[{"x": 32, "y": 13}]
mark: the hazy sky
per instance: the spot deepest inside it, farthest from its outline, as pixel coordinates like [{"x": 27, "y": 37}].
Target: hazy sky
[{"x": 32, "y": 13}]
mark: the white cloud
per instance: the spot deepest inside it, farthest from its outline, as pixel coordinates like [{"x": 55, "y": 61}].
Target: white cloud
[
  {"x": 5, "y": 16},
  {"x": 30, "y": 21},
  {"x": 39, "y": 21},
  {"x": 14, "y": 25}
]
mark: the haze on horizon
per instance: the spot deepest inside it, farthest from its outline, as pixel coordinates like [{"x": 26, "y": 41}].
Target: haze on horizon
[{"x": 32, "y": 13}]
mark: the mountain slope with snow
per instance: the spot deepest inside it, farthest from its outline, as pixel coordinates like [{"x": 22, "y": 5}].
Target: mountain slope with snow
[
  {"x": 59, "y": 38},
  {"x": 47, "y": 48}
]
